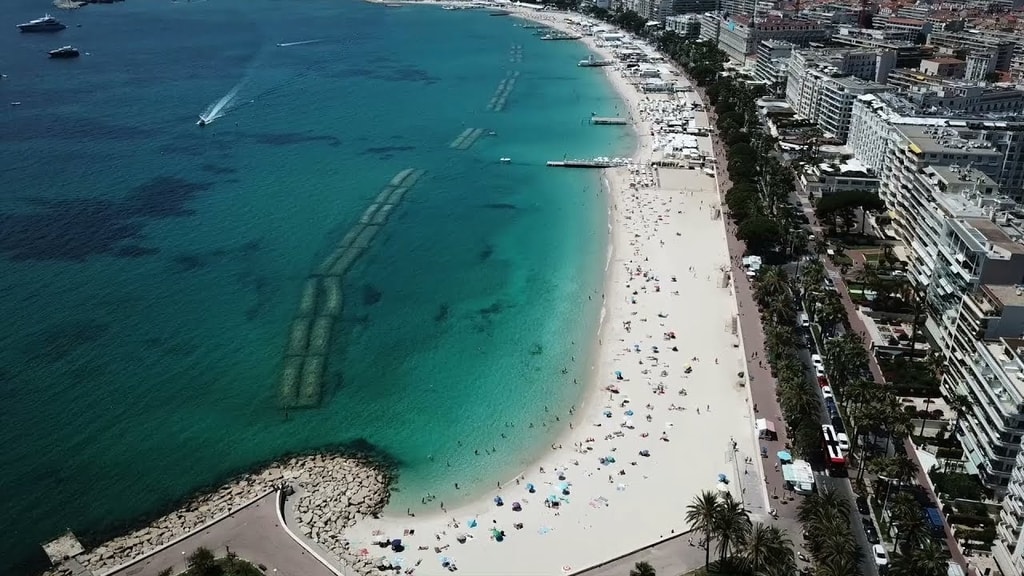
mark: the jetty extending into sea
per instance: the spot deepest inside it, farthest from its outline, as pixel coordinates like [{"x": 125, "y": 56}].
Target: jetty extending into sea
[{"x": 308, "y": 347}]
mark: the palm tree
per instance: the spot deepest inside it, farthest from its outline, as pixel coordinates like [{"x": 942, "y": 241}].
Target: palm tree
[
  {"x": 959, "y": 404},
  {"x": 772, "y": 284},
  {"x": 831, "y": 312},
  {"x": 766, "y": 547},
  {"x": 701, "y": 515},
  {"x": 838, "y": 567},
  {"x": 928, "y": 559},
  {"x": 642, "y": 569},
  {"x": 732, "y": 523}
]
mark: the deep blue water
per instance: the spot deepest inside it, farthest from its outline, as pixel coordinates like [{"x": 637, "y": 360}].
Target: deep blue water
[{"x": 150, "y": 269}]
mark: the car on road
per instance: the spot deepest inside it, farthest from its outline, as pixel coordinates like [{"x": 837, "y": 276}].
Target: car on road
[
  {"x": 819, "y": 371},
  {"x": 829, "y": 283},
  {"x": 862, "y": 506},
  {"x": 826, "y": 392},
  {"x": 830, "y": 406},
  {"x": 817, "y": 361},
  {"x": 880, "y": 555},
  {"x": 843, "y": 440},
  {"x": 822, "y": 381},
  {"x": 869, "y": 530}
]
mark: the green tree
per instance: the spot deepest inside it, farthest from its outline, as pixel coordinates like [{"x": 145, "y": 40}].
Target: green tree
[
  {"x": 927, "y": 559},
  {"x": 702, "y": 515},
  {"x": 731, "y": 525},
  {"x": 202, "y": 563},
  {"x": 766, "y": 548},
  {"x": 642, "y": 569}
]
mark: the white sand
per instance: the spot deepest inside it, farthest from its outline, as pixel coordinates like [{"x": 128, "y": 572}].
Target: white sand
[{"x": 664, "y": 231}]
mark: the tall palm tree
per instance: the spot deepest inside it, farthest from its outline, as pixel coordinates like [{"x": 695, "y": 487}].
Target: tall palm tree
[
  {"x": 772, "y": 284},
  {"x": 838, "y": 567},
  {"x": 642, "y": 569},
  {"x": 732, "y": 523},
  {"x": 765, "y": 547},
  {"x": 701, "y": 515},
  {"x": 959, "y": 404},
  {"x": 927, "y": 559}
]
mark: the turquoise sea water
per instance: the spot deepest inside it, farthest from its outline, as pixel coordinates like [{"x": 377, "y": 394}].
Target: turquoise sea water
[{"x": 150, "y": 269}]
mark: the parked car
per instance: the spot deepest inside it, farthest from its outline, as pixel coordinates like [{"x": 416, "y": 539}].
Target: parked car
[
  {"x": 869, "y": 530},
  {"x": 829, "y": 283},
  {"x": 862, "y": 506},
  {"x": 880, "y": 555},
  {"x": 843, "y": 440},
  {"x": 826, "y": 392},
  {"x": 822, "y": 381},
  {"x": 819, "y": 371},
  {"x": 816, "y": 360},
  {"x": 830, "y": 406}
]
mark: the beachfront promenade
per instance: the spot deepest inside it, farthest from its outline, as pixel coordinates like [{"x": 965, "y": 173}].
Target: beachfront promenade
[{"x": 253, "y": 533}]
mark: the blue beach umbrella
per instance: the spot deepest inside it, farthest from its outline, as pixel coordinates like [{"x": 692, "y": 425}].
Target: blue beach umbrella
[
  {"x": 629, "y": 412},
  {"x": 723, "y": 478},
  {"x": 530, "y": 488},
  {"x": 471, "y": 523}
]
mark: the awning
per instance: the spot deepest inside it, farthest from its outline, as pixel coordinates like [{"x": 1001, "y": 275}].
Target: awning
[
  {"x": 763, "y": 424},
  {"x": 798, "y": 472}
]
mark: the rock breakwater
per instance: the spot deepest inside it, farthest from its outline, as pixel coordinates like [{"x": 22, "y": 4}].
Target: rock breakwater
[{"x": 333, "y": 491}]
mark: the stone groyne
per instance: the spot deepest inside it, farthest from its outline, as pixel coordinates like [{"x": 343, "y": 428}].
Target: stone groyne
[
  {"x": 304, "y": 370},
  {"x": 336, "y": 491}
]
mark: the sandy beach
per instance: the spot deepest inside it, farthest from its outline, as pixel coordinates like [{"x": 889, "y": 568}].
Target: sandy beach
[{"x": 665, "y": 411}]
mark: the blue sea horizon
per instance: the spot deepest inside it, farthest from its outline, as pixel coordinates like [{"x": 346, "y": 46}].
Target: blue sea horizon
[{"x": 152, "y": 268}]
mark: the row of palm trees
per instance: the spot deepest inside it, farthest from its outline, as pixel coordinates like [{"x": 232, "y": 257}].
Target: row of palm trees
[
  {"x": 741, "y": 546},
  {"x": 874, "y": 412}
]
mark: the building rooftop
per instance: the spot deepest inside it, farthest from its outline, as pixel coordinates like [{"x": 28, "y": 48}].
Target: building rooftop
[
  {"x": 1004, "y": 295},
  {"x": 936, "y": 140},
  {"x": 996, "y": 235}
]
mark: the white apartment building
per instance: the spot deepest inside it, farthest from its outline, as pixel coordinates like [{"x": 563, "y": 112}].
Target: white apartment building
[{"x": 877, "y": 120}]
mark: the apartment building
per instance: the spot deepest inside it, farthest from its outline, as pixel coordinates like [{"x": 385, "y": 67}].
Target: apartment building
[
  {"x": 957, "y": 96},
  {"x": 994, "y": 145},
  {"x": 822, "y": 85},
  {"x": 685, "y": 25},
  {"x": 961, "y": 44},
  {"x": 739, "y": 36},
  {"x": 772, "y": 64}
]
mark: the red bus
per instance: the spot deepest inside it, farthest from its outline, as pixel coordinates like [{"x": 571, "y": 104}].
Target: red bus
[{"x": 835, "y": 462}]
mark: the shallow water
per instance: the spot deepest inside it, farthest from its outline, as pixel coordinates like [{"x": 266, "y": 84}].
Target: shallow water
[{"x": 151, "y": 268}]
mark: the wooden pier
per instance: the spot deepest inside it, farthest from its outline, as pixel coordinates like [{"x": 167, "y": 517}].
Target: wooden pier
[
  {"x": 585, "y": 163},
  {"x": 607, "y": 121}
]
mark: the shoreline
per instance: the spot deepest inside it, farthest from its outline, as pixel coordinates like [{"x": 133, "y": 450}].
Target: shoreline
[
  {"x": 643, "y": 204},
  {"x": 513, "y": 533}
]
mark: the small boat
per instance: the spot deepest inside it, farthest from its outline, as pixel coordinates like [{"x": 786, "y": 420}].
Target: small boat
[
  {"x": 64, "y": 52},
  {"x": 201, "y": 122},
  {"x": 15, "y": 103},
  {"x": 506, "y": 160}
]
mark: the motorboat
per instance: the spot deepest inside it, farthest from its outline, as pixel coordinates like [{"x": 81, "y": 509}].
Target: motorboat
[
  {"x": 64, "y": 52},
  {"x": 201, "y": 122},
  {"x": 506, "y": 160},
  {"x": 45, "y": 24}
]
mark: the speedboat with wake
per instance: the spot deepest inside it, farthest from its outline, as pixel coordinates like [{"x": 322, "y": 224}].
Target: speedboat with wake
[{"x": 201, "y": 122}]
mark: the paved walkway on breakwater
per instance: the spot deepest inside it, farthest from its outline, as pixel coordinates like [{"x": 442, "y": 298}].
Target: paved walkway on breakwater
[{"x": 253, "y": 533}]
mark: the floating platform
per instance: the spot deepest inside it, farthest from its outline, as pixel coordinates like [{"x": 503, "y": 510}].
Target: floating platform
[{"x": 602, "y": 120}]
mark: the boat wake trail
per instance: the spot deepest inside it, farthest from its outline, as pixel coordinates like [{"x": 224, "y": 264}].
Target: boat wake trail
[
  {"x": 220, "y": 107},
  {"x": 300, "y": 43}
]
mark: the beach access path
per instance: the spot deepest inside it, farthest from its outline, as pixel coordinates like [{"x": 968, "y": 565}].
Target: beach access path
[
  {"x": 253, "y": 533},
  {"x": 665, "y": 411}
]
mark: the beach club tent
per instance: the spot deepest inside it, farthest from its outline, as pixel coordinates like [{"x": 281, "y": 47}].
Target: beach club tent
[
  {"x": 799, "y": 476},
  {"x": 766, "y": 429}
]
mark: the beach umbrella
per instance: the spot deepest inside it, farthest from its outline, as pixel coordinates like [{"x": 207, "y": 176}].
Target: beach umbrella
[
  {"x": 499, "y": 501},
  {"x": 530, "y": 488},
  {"x": 723, "y": 478},
  {"x": 471, "y": 523},
  {"x": 553, "y": 498},
  {"x": 629, "y": 412},
  {"x": 618, "y": 374},
  {"x": 516, "y": 506},
  {"x": 784, "y": 456},
  {"x": 608, "y": 413}
]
